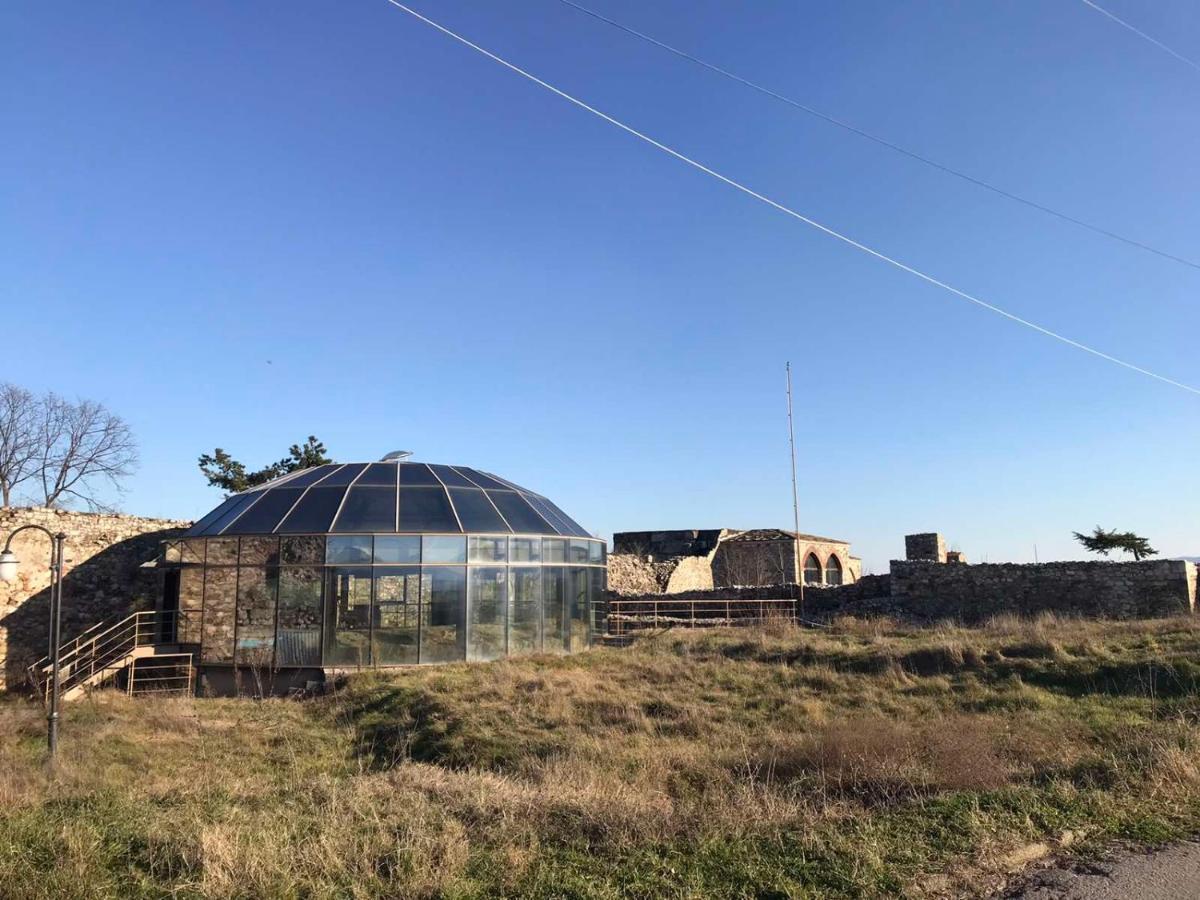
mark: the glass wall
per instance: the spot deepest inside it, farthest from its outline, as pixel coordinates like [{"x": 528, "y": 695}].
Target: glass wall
[{"x": 357, "y": 600}]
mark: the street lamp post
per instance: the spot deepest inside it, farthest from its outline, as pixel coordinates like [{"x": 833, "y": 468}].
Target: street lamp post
[{"x": 8, "y": 573}]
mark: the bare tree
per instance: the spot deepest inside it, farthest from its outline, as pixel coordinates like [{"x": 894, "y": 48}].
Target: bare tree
[
  {"x": 18, "y": 444},
  {"x": 79, "y": 447}
]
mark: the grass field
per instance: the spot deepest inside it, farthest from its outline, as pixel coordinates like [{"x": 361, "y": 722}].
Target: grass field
[{"x": 863, "y": 760}]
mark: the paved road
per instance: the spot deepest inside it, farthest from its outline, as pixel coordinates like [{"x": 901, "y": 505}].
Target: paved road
[{"x": 1172, "y": 873}]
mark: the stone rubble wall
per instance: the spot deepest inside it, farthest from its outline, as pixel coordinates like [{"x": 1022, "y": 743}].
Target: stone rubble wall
[
  {"x": 103, "y": 578},
  {"x": 1101, "y": 589},
  {"x": 633, "y": 574}
]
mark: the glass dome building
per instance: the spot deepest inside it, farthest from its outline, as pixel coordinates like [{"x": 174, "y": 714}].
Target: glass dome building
[{"x": 383, "y": 564}]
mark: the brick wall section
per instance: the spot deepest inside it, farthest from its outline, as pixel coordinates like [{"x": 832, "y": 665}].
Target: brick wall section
[
  {"x": 1102, "y": 589},
  {"x": 104, "y": 578}
]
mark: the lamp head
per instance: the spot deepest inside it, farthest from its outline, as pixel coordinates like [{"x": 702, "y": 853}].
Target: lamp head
[{"x": 8, "y": 566}]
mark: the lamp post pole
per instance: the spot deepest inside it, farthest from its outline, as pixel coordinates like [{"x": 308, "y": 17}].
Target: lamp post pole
[{"x": 8, "y": 572}]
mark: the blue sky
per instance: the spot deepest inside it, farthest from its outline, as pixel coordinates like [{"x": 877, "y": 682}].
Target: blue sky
[{"x": 237, "y": 224}]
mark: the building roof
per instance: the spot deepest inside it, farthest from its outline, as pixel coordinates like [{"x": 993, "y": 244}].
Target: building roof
[
  {"x": 389, "y": 496},
  {"x": 778, "y": 534}
]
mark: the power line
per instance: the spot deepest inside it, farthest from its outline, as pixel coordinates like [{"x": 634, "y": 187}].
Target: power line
[
  {"x": 1157, "y": 43},
  {"x": 791, "y": 212},
  {"x": 883, "y": 142}
]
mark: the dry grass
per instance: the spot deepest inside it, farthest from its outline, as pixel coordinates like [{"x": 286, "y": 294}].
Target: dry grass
[{"x": 862, "y": 760}]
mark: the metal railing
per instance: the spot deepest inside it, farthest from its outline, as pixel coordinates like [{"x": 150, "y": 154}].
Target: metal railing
[
  {"x": 627, "y": 616},
  {"x": 101, "y": 651},
  {"x": 164, "y": 673}
]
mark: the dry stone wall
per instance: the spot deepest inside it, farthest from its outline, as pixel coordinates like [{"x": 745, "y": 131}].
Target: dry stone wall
[
  {"x": 1103, "y": 589},
  {"x": 104, "y": 576}
]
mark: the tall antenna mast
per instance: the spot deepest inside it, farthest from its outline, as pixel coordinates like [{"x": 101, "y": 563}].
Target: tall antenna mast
[{"x": 799, "y": 568}]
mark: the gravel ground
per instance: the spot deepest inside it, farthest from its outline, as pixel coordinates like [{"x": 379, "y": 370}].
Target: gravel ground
[{"x": 1172, "y": 873}]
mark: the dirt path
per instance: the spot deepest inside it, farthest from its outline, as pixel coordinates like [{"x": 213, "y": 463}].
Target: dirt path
[{"x": 1172, "y": 873}]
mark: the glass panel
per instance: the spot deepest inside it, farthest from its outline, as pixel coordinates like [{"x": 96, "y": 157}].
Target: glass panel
[
  {"x": 485, "y": 548},
  {"x": 452, "y": 478},
  {"x": 520, "y": 515},
  {"x": 310, "y": 476},
  {"x": 522, "y": 549},
  {"x": 226, "y": 505},
  {"x": 426, "y": 509},
  {"x": 476, "y": 511},
  {"x": 417, "y": 474},
  {"x": 544, "y": 510},
  {"x": 191, "y": 551},
  {"x": 171, "y": 552},
  {"x": 505, "y": 482},
  {"x": 488, "y": 602},
  {"x": 576, "y": 528},
  {"x": 579, "y": 582},
  {"x": 833, "y": 571},
  {"x": 368, "y": 509},
  {"x": 577, "y": 551},
  {"x": 525, "y": 611},
  {"x": 596, "y": 553},
  {"x": 599, "y": 603},
  {"x": 302, "y": 551},
  {"x": 222, "y": 551},
  {"x": 314, "y": 512},
  {"x": 484, "y": 481},
  {"x": 299, "y": 617},
  {"x": 554, "y": 550},
  {"x": 356, "y": 549},
  {"x": 436, "y": 549},
  {"x": 264, "y": 515},
  {"x": 394, "y": 632},
  {"x": 256, "y": 615},
  {"x": 344, "y": 475},
  {"x": 232, "y": 511},
  {"x": 554, "y": 596},
  {"x": 347, "y": 616},
  {"x": 379, "y": 474},
  {"x": 191, "y": 604},
  {"x": 220, "y": 597},
  {"x": 402, "y": 549},
  {"x": 812, "y": 570},
  {"x": 259, "y": 551},
  {"x": 443, "y": 614}
]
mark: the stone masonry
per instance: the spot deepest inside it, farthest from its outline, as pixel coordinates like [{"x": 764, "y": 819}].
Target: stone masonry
[
  {"x": 930, "y": 546},
  {"x": 104, "y": 576}
]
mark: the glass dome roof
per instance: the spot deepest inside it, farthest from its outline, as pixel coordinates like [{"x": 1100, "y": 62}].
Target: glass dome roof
[{"x": 383, "y": 497}]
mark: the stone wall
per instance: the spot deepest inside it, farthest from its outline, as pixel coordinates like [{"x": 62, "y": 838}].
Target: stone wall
[
  {"x": 664, "y": 544},
  {"x": 1102, "y": 589},
  {"x": 928, "y": 546},
  {"x": 104, "y": 554},
  {"x": 743, "y": 561}
]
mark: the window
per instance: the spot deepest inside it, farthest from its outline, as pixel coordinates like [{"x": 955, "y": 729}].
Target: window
[
  {"x": 443, "y": 614},
  {"x": 443, "y": 549},
  {"x": 256, "y": 590},
  {"x": 222, "y": 552},
  {"x": 524, "y": 610},
  {"x": 395, "y": 627},
  {"x": 519, "y": 514},
  {"x": 596, "y": 553},
  {"x": 220, "y": 597},
  {"x": 579, "y": 622},
  {"x": 356, "y": 549},
  {"x": 398, "y": 549},
  {"x": 298, "y": 638},
  {"x": 264, "y": 515},
  {"x": 833, "y": 570},
  {"x": 812, "y": 570},
  {"x": 426, "y": 509},
  {"x": 347, "y": 616},
  {"x": 554, "y": 550},
  {"x": 191, "y": 604},
  {"x": 487, "y": 548},
  {"x": 522, "y": 549},
  {"x": 417, "y": 474},
  {"x": 314, "y": 512},
  {"x": 487, "y": 598},
  {"x": 259, "y": 551},
  {"x": 554, "y": 598},
  {"x": 368, "y": 509},
  {"x": 578, "y": 551},
  {"x": 475, "y": 511},
  {"x": 302, "y": 551}
]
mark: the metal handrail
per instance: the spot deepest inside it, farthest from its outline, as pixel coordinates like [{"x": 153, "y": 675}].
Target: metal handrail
[{"x": 95, "y": 650}]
